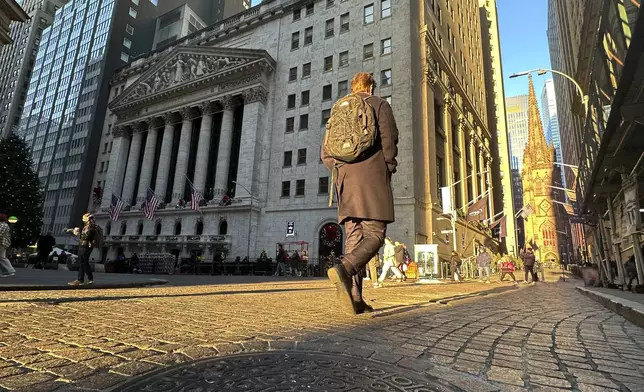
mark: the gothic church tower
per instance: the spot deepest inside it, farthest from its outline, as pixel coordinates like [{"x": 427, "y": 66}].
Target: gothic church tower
[{"x": 538, "y": 158}]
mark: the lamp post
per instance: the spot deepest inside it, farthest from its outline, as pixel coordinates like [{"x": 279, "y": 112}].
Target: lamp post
[
  {"x": 250, "y": 217},
  {"x": 543, "y": 71}
]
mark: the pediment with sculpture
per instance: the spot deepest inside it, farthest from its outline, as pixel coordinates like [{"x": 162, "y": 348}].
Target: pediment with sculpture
[{"x": 186, "y": 66}]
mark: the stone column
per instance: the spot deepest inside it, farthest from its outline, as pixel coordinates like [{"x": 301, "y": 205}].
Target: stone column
[
  {"x": 132, "y": 165},
  {"x": 203, "y": 148},
  {"x": 449, "y": 151},
  {"x": 116, "y": 170},
  {"x": 482, "y": 177},
  {"x": 182, "y": 156},
  {"x": 488, "y": 176},
  {"x": 225, "y": 144},
  {"x": 475, "y": 175},
  {"x": 254, "y": 106},
  {"x": 165, "y": 155},
  {"x": 463, "y": 160},
  {"x": 148, "y": 160}
]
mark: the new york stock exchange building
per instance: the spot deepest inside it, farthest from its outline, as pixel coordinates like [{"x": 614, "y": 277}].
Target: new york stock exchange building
[{"x": 238, "y": 110}]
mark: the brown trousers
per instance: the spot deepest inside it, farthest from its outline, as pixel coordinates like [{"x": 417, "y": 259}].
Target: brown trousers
[{"x": 364, "y": 239}]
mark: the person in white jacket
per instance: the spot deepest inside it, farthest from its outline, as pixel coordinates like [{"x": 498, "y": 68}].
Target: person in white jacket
[
  {"x": 5, "y": 243},
  {"x": 389, "y": 262}
]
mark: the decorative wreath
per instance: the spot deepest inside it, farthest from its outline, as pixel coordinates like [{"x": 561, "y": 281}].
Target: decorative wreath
[{"x": 331, "y": 236}]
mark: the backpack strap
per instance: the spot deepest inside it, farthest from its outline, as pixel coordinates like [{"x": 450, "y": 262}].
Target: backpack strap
[{"x": 334, "y": 175}]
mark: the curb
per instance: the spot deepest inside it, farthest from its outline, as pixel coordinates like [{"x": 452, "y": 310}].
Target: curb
[
  {"x": 151, "y": 282},
  {"x": 630, "y": 310}
]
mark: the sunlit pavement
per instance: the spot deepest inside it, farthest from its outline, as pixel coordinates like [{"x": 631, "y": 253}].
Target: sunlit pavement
[{"x": 276, "y": 335}]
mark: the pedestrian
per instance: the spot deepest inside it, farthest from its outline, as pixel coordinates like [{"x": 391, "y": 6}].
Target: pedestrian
[
  {"x": 507, "y": 268},
  {"x": 401, "y": 262},
  {"x": 390, "y": 262},
  {"x": 5, "y": 244},
  {"x": 134, "y": 264},
  {"x": 282, "y": 258},
  {"x": 455, "y": 266},
  {"x": 86, "y": 237},
  {"x": 484, "y": 260},
  {"x": 631, "y": 272},
  {"x": 529, "y": 260},
  {"x": 374, "y": 263},
  {"x": 44, "y": 247},
  {"x": 360, "y": 149}
]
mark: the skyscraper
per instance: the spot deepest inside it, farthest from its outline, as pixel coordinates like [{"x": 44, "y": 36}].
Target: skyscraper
[
  {"x": 17, "y": 61},
  {"x": 67, "y": 96},
  {"x": 550, "y": 118},
  {"x": 517, "y": 114}
]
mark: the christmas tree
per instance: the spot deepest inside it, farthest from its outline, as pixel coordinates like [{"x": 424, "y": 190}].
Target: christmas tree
[{"x": 20, "y": 193}]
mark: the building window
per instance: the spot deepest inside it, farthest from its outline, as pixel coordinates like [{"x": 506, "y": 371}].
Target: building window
[
  {"x": 385, "y": 46},
  {"x": 290, "y": 124},
  {"x": 286, "y": 188},
  {"x": 330, "y": 3},
  {"x": 297, "y": 14},
  {"x": 329, "y": 30},
  {"x": 304, "y": 122},
  {"x": 385, "y": 8},
  {"x": 328, "y": 64},
  {"x": 344, "y": 59},
  {"x": 132, "y": 12},
  {"x": 323, "y": 185},
  {"x": 344, "y": 23},
  {"x": 127, "y": 43},
  {"x": 290, "y": 104},
  {"x": 288, "y": 158},
  {"x": 343, "y": 88},
  {"x": 325, "y": 116},
  {"x": 308, "y": 35},
  {"x": 368, "y": 14},
  {"x": 310, "y": 9},
  {"x": 301, "y": 156},
  {"x": 102, "y": 167},
  {"x": 306, "y": 70},
  {"x": 385, "y": 77},
  {"x": 300, "y": 186},
  {"x": 295, "y": 40},
  {"x": 327, "y": 92},
  {"x": 129, "y": 29},
  {"x": 125, "y": 57},
  {"x": 292, "y": 74},
  {"x": 440, "y": 178},
  {"x": 305, "y": 98},
  {"x": 367, "y": 52}
]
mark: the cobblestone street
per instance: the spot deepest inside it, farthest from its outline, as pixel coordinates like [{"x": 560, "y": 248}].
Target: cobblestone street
[{"x": 545, "y": 337}]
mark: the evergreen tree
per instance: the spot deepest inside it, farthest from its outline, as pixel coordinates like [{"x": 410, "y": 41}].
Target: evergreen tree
[{"x": 20, "y": 193}]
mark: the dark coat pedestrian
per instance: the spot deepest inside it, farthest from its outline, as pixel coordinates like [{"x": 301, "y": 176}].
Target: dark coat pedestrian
[
  {"x": 44, "y": 246},
  {"x": 529, "y": 259},
  {"x": 364, "y": 196}
]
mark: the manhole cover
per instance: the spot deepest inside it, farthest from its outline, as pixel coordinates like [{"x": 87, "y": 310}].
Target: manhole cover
[{"x": 286, "y": 371}]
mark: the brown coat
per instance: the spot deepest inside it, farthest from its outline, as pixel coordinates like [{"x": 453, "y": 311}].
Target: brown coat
[{"x": 363, "y": 188}]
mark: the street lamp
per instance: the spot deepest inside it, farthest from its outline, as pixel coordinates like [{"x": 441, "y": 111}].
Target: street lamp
[
  {"x": 250, "y": 217},
  {"x": 543, "y": 71},
  {"x": 12, "y": 219}
]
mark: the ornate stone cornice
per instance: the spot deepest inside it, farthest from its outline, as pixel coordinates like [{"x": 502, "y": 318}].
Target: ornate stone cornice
[
  {"x": 207, "y": 108},
  {"x": 185, "y": 113},
  {"x": 228, "y": 102},
  {"x": 139, "y": 126},
  {"x": 255, "y": 94}
]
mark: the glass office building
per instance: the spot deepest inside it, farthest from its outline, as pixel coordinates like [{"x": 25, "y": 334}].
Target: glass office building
[{"x": 65, "y": 104}]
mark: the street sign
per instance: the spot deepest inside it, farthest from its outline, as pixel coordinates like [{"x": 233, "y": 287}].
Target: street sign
[
  {"x": 290, "y": 229},
  {"x": 446, "y": 231}
]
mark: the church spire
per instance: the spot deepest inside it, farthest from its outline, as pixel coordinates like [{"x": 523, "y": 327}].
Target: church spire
[{"x": 536, "y": 151}]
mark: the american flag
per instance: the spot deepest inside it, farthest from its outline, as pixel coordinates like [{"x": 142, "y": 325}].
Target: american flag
[
  {"x": 115, "y": 208},
  {"x": 150, "y": 205},
  {"x": 195, "y": 197}
]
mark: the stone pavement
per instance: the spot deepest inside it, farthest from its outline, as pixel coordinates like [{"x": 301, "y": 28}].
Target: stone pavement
[{"x": 287, "y": 335}]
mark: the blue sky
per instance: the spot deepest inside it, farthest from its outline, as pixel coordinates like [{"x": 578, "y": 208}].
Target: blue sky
[{"x": 524, "y": 43}]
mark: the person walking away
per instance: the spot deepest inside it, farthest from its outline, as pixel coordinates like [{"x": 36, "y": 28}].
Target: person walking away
[
  {"x": 507, "y": 268},
  {"x": 88, "y": 238},
  {"x": 399, "y": 252},
  {"x": 455, "y": 266},
  {"x": 374, "y": 263},
  {"x": 360, "y": 149},
  {"x": 5, "y": 244},
  {"x": 484, "y": 260},
  {"x": 390, "y": 262},
  {"x": 631, "y": 272},
  {"x": 281, "y": 259},
  {"x": 45, "y": 246},
  {"x": 529, "y": 259},
  {"x": 134, "y": 264}
]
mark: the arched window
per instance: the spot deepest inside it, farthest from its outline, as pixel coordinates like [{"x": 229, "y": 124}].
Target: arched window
[
  {"x": 548, "y": 234},
  {"x": 139, "y": 228},
  {"x": 223, "y": 227},
  {"x": 108, "y": 229},
  {"x": 177, "y": 228},
  {"x": 199, "y": 228},
  {"x": 157, "y": 228},
  {"x": 123, "y": 228}
]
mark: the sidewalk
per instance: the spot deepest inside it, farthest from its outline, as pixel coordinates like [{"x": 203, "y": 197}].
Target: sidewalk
[
  {"x": 625, "y": 303},
  {"x": 28, "y": 279}
]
